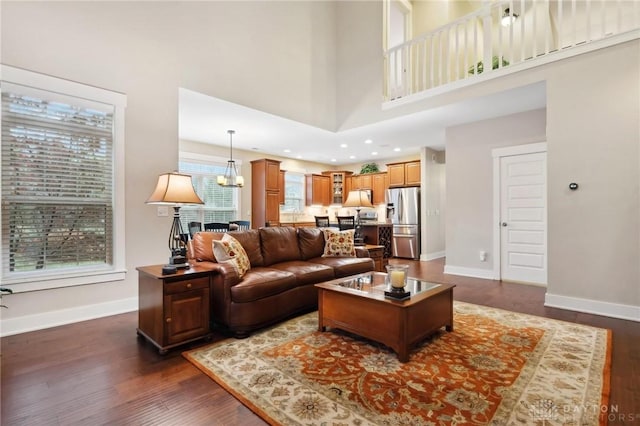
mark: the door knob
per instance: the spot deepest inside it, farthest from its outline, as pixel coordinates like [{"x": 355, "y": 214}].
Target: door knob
[{"x": 504, "y": 224}]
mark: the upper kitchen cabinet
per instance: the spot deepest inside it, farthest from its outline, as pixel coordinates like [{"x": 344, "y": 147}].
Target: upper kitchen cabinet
[
  {"x": 317, "y": 190},
  {"x": 404, "y": 174},
  {"x": 340, "y": 185},
  {"x": 361, "y": 182},
  {"x": 380, "y": 183},
  {"x": 281, "y": 188},
  {"x": 265, "y": 192}
]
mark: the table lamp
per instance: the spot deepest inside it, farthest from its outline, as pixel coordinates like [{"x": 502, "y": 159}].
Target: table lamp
[
  {"x": 358, "y": 199},
  {"x": 175, "y": 189}
]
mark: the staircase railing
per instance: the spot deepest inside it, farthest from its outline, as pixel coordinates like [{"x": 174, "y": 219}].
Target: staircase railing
[{"x": 479, "y": 43}]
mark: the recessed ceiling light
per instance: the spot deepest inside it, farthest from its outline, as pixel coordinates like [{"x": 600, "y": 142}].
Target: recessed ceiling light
[
  {"x": 298, "y": 156},
  {"x": 396, "y": 149},
  {"x": 333, "y": 160},
  {"x": 352, "y": 157},
  {"x": 287, "y": 150},
  {"x": 368, "y": 141},
  {"x": 374, "y": 153},
  {"x": 343, "y": 145}
]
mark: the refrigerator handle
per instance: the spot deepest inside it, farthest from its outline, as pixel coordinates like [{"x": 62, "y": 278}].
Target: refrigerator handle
[{"x": 400, "y": 207}]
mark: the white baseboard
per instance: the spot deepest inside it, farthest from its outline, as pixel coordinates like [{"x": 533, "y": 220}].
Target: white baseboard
[
  {"x": 486, "y": 274},
  {"x": 596, "y": 307},
  {"x": 432, "y": 256},
  {"x": 28, "y": 323}
]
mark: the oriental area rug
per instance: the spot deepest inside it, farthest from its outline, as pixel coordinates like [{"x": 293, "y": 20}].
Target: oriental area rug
[{"x": 497, "y": 367}]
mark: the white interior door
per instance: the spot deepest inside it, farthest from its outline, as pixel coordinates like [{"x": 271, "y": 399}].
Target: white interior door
[{"x": 523, "y": 218}]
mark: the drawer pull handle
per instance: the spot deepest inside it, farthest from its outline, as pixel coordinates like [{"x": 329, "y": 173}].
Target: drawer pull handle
[
  {"x": 188, "y": 285},
  {"x": 168, "y": 319}
]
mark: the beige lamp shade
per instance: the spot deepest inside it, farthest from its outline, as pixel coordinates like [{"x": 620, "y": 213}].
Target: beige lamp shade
[
  {"x": 358, "y": 199},
  {"x": 174, "y": 188}
]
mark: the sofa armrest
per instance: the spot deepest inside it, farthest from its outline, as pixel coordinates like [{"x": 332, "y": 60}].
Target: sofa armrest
[
  {"x": 362, "y": 251},
  {"x": 223, "y": 277}
]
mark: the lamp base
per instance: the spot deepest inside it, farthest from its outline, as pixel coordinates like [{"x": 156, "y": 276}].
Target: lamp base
[{"x": 178, "y": 259}]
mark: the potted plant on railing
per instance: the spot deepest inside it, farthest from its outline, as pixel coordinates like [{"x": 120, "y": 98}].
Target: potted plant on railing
[{"x": 495, "y": 63}]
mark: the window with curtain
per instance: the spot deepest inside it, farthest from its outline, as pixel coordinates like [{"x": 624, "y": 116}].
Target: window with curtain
[
  {"x": 58, "y": 183},
  {"x": 293, "y": 193},
  {"x": 220, "y": 204}
]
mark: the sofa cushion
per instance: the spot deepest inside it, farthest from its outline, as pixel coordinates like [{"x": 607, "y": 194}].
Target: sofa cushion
[
  {"x": 279, "y": 244},
  {"x": 311, "y": 242},
  {"x": 262, "y": 282},
  {"x": 345, "y": 266},
  {"x": 338, "y": 243},
  {"x": 228, "y": 249},
  {"x": 250, "y": 240},
  {"x": 202, "y": 245},
  {"x": 306, "y": 272}
]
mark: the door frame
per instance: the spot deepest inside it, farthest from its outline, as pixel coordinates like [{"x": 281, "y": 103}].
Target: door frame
[{"x": 497, "y": 153}]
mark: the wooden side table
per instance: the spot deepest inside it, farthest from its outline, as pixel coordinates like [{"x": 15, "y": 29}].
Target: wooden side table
[
  {"x": 173, "y": 309},
  {"x": 377, "y": 254}
]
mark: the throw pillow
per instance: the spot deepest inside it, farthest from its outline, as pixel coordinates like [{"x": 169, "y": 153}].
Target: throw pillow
[
  {"x": 229, "y": 250},
  {"x": 338, "y": 243}
]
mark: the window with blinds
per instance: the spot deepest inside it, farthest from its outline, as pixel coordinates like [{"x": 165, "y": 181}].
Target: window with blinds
[
  {"x": 57, "y": 188},
  {"x": 293, "y": 192},
  {"x": 220, "y": 203}
]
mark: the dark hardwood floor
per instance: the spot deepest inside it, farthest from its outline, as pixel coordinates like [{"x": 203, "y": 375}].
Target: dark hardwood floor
[{"x": 99, "y": 372}]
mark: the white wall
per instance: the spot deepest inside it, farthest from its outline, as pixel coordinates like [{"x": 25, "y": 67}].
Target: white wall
[
  {"x": 275, "y": 56},
  {"x": 593, "y": 134},
  {"x": 434, "y": 207},
  {"x": 593, "y": 138},
  {"x": 469, "y": 219}
]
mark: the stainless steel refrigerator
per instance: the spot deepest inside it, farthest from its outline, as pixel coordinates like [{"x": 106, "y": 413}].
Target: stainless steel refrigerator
[{"x": 403, "y": 208}]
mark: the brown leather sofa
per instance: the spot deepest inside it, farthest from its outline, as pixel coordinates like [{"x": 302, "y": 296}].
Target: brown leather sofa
[{"x": 285, "y": 262}]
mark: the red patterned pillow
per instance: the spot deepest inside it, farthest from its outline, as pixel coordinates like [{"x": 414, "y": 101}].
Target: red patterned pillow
[
  {"x": 229, "y": 250},
  {"x": 338, "y": 243}
]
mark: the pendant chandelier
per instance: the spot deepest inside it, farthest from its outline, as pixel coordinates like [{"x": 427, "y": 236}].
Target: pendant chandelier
[{"x": 231, "y": 178}]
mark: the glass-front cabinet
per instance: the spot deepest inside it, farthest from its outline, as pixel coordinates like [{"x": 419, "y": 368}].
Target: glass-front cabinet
[{"x": 339, "y": 186}]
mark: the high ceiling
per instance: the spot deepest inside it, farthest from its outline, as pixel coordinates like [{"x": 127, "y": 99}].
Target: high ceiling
[{"x": 206, "y": 119}]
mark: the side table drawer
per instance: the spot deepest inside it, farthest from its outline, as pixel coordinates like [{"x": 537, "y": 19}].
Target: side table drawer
[{"x": 186, "y": 285}]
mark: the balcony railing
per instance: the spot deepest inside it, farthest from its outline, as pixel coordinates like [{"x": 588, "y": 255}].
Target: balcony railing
[{"x": 503, "y": 34}]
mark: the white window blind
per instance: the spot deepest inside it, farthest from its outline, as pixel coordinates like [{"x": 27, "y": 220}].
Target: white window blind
[
  {"x": 220, "y": 203},
  {"x": 59, "y": 196},
  {"x": 293, "y": 192}
]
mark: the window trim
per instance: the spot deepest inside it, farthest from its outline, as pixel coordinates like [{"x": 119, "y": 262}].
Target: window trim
[{"x": 79, "y": 276}]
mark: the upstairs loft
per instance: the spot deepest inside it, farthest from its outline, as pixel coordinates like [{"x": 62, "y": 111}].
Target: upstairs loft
[{"x": 499, "y": 38}]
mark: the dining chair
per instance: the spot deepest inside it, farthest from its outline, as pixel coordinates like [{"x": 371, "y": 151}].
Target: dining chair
[
  {"x": 322, "y": 221},
  {"x": 216, "y": 227},
  {"x": 346, "y": 222},
  {"x": 241, "y": 224},
  {"x": 194, "y": 227}
]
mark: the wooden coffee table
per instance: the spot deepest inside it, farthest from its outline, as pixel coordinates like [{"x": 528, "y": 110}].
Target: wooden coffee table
[{"x": 357, "y": 304}]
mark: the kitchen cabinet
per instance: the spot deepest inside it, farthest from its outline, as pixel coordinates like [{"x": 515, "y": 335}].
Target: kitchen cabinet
[
  {"x": 379, "y": 234},
  {"x": 265, "y": 192},
  {"x": 172, "y": 309},
  {"x": 362, "y": 181},
  {"x": 340, "y": 185},
  {"x": 404, "y": 174},
  {"x": 379, "y": 188},
  {"x": 317, "y": 190},
  {"x": 281, "y": 187},
  {"x": 299, "y": 224}
]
